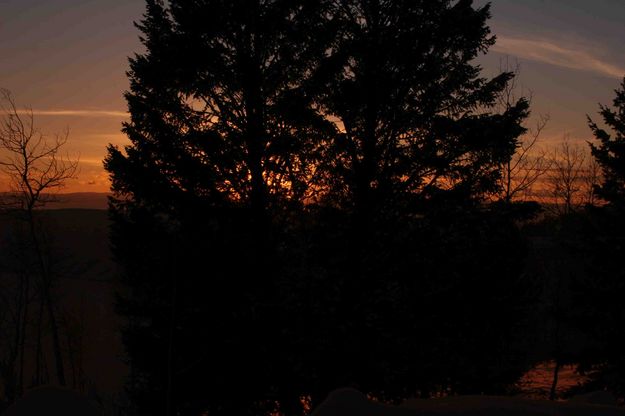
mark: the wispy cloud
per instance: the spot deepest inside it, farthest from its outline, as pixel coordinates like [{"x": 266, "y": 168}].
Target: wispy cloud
[
  {"x": 76, "y": 113},
  {"x": 81, "y": 113},
  {"x": 552, "y": 53},
  {"x": 91, "y": 161}
]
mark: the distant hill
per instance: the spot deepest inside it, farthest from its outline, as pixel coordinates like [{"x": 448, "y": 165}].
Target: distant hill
[
  {"x": 80, "y": 200},
  {"x": 76, "y": 200}
]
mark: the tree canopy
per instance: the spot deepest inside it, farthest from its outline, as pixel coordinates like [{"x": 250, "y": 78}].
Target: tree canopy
[
  {"x": 416, "y": 117},
  {"x": 600, "y": 237},
  {"x": 219, "y": 103},
  {"x": 610, "y": 152},
  {"x": 303, "y": 178}
]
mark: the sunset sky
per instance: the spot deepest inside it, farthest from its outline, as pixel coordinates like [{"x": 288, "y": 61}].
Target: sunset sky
[{"x": 67, "y": 60}]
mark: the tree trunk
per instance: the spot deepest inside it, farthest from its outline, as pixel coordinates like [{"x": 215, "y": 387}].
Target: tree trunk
[
  {"x": 56, "y": 342},
  {"x": 170, "y": 350},
  {"x": 39, "y": 348},
  {"x": 47, "y": 300},
  {"x": 22, "y": 346}
]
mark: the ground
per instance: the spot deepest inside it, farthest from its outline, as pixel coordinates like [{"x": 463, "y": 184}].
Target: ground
[{"x": 350, "y": 402}]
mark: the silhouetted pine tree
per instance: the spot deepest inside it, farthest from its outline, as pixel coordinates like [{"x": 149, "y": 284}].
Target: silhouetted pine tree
[
  {"x": 415, "y": 114},
  {"x": 222, "y": 138},
  {"x": 610, "y": 153},
  {"x": 403, "y": 236},
  {"x": 218, "y": 102},
  {"x": 301, "y": 205},
  {"x": 600, "y": 240}
]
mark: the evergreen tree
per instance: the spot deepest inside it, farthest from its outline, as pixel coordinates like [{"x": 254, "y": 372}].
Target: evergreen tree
[
  {"x": 303, "y": 187},
  {"x": 415, "y": 115},
  {"x": 610, "y": 153},
  {"x": 218, "y": 102},
  {"x": 420, "y": 145},
  {"x": 222, "y": 138},
  {"x": 600, "y": 240}
]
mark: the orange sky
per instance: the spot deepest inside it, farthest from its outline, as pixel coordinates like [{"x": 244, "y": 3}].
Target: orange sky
[{"x": 67, "y": 60}]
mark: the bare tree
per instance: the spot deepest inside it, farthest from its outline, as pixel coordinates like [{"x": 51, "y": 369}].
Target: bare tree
[
  {"x": 35, "y": 168},
  {"x": 565, "y": 184},
  {"x": 592, "y": 177},
  {"x": 33, "y": 163},
  {"x": 529, "y": 163}
]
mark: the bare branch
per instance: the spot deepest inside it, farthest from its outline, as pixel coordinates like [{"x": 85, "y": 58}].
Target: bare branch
[
  {"x": 529, "y": 163},
  {"x": 569, "y": 184},
  {"x": 32, "y": 163},
  {"x": 35, "y": 168}
]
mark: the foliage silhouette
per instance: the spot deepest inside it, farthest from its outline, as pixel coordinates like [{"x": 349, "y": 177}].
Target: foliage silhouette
[
  {"x": 592, "y": 241},
  {"x": 219, "y": 103},
  {"x": 600, "y": 237},
  {"x": 416, "y": 117},
  {"x": 222, "y": 134},
  {"x": 590, "y": 316},
  {"x": 303, "y": 206},
  {"x": 420, "y": 146},
  {"x": 610, "y": 152}
]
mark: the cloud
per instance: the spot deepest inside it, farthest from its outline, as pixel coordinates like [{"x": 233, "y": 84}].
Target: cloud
[
  {"x": 91, "y": 161},
  {"x": 558, "y": 55},
  {"x": 81, "y": 113},
  {"x": 76, "y": 113}
]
